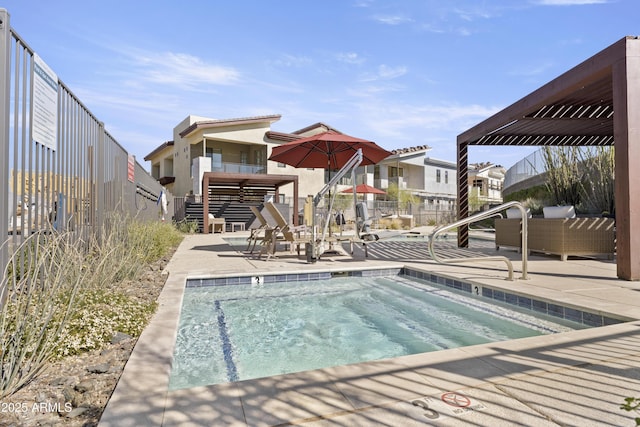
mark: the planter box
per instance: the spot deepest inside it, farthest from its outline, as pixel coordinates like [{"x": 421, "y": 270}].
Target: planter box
[{"x": 564, "y": 237}]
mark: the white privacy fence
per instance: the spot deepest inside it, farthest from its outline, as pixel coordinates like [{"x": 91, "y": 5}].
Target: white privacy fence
[{"x": 60, "y": 169}]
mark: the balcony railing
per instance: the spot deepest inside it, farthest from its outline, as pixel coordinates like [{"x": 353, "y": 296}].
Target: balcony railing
[{"x": 243, "y": 168}]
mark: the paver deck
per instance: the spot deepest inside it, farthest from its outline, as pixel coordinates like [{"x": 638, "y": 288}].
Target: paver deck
[{"x": 577, "y": 378}]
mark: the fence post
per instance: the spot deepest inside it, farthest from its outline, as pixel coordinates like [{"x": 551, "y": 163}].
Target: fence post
[
  {"x": 100, "y": 178},
  {"x": 5, "y": 88}
]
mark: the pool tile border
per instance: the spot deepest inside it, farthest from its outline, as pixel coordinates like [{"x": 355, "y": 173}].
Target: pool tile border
[
  {"x": 518, "y": 300},
  {"x": 522, "y": 301}
]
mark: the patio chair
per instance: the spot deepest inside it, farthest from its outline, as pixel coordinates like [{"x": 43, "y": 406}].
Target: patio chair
[
  {"x": 363, "y": 224},
  {"x": 363, "y": 227},
  {"x": 283, "y": 232},
  {"x": 258, "y": 233},
  {"x": 216, "y": 224}
]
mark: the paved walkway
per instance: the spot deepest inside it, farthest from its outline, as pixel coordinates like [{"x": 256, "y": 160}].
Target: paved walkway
[{"x": 577, "y": 378}]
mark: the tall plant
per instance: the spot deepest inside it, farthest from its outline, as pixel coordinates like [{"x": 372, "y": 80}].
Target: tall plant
[
  {"x": 38, "y": 289},
  {"x": 404, "y": 198},
  {"x": 583, "y": 177},
  {"x": 598, "y": 183},
  {"x": 563, "y": 175}
]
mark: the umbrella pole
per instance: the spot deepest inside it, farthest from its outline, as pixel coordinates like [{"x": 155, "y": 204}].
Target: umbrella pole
[{"x": 314, "y": 255}]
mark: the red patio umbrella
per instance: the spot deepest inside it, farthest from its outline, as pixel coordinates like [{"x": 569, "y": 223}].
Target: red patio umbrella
[
  {"x": 327, "y": 150},
  {"x": 364, "y": 189}
]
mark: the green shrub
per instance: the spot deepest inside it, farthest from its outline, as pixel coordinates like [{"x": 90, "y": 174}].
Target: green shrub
[
  {"x": 99, "y": 315},
  {"x": 632, "y": 404}
]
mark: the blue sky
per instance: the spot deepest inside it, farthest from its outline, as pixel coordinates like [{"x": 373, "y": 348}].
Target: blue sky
[{"x": 399, "y": 72}]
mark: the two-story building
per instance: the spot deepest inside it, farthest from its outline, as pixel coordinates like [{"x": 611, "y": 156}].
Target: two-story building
[
  {"x": 225, "y": 162},
  {"x": 485, "y": 184},
  {"x": 440, "y": 178}
]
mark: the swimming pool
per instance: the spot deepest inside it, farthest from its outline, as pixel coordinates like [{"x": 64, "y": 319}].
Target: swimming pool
[{"x": 232, "y": 331}]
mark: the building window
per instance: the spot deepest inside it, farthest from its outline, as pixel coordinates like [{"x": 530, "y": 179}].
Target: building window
[
  {"x": 329, "y": 175},
  {"x": 446, "y": 177},
  {"x": 437, "y": 175},
  {"x": 215, "y": 154},
  {"x": 259, "y": 156},
  {"x": 281, "y": 165},
  {"x": 395, "y": 172}
]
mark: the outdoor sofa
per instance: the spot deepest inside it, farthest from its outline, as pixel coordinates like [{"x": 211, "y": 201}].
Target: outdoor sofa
[{"x": 560, "y": 235}]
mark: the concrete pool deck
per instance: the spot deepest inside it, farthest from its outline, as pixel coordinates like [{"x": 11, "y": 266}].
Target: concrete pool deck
[{"x": 576, "y": 378}]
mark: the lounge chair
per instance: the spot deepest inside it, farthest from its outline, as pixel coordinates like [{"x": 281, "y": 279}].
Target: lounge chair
[
  {"x": 258, "y": 233},
  {"x": 283, "y": 232}
]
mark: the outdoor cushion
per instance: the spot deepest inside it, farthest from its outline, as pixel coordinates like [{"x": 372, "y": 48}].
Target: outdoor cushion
[
  {"x": 559, "y": 212},
  {"x": 515, "y": 213}
]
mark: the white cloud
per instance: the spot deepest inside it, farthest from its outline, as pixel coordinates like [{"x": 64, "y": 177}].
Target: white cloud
[
  {"x": 288, "y": 60},
  {"x": 385, "y": 72},
  {"x": 532, "y": 70},
  {"x": 184, "y": 70},
  {"x": 470, "y": 15},
  {"x": 350, "y": 58},
  {"x": 396, "y": 120},
  {"x": 392, "y": 19}
]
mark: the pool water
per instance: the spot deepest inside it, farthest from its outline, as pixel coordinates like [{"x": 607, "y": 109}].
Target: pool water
[{"x": 238, "y": 332}]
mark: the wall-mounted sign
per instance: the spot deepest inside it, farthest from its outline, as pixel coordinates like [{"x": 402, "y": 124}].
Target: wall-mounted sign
[
  {"x": 131, "y": 168},
  {"x": 45, "y": 104}
]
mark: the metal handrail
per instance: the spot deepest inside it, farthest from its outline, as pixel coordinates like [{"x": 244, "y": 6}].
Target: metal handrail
[{"x": 478, "y": 217}]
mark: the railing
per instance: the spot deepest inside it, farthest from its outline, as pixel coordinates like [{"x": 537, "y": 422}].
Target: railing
[
  {"x": 478, "y": 217},
  {"x": 245, "y": 168},
  {"x": 532, "y": 165},
  {"x": 59, "y": 168}
]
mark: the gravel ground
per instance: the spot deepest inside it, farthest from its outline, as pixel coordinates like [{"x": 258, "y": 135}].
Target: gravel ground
[{"x": 74, "y": 391}]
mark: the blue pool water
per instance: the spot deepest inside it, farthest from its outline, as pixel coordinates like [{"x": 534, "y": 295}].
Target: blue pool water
[{"x": 237, "y": 332}]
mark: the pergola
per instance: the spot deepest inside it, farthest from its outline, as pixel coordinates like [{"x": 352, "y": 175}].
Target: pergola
[
  {"x": 577, "y": 109},
  {"x": 268, "y": 181}
]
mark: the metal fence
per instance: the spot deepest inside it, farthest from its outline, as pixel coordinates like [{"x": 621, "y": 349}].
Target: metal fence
[
  {"x": 378, "y": 210},
  {"x": 529, "y": 167},
  {"x": 60, "y": 169}
]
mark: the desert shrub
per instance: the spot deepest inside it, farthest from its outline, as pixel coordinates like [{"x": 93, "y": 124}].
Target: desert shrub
[
  {"x": 37, "y": 292},
  {"x": 60, "y": 295},
  {"x": 187, "y": 225}
]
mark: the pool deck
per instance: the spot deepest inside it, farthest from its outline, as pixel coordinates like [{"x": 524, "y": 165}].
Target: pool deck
[{"x": 577, "y": 378}]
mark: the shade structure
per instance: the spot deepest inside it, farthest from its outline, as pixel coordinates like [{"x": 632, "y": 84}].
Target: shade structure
[
  {"x": 328, "y": 150},
  {"x": 364, "y": 189}
]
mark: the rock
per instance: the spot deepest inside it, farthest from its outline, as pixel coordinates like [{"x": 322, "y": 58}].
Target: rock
[
  {"x": 62, "y": 381},
  {"x": 99, "y": 369},
  {"x": 76, "y": 412},
  {"x": 118, "y": 337},
  {"x": 68, "y": 393},
  {"x": 84, "y": 386},
  {"x": 107, "y": 353}
]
